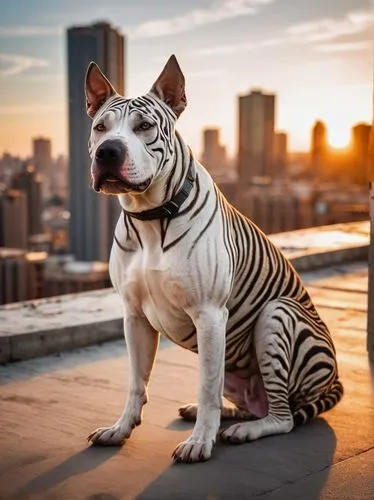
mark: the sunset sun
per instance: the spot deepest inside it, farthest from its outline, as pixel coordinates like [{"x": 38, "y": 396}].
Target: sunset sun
[{"x": 338, "y": 138}]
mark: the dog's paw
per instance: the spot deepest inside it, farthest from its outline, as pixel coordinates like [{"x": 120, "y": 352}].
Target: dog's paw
[
  {"x": 188, "y": 412},
  {"x": 236, "y": 434},
  {"x": 109, "y": 436},
  {"x": 192, "y": 451}
]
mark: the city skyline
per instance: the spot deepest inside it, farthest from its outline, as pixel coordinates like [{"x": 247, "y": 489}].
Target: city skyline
[{"x": 316, "y": 58}]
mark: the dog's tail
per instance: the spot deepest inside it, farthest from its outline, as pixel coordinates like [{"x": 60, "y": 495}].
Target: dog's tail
[{"x": 327, "y": 401}]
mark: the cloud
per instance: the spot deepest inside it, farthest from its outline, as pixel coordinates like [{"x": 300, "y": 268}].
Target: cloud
[
  {"x": 29, "y": 31},
  {"x": 237, "y": 47},
  {"x": 313, "y": 66},
  {"x": 329, "y": 29},
  {"x": 309, "y": 33},
  {"x": 12, "y": 64},
  {"x": 345, "y": 47},
  {"x": 219, "y": 11},
  {"x": 225, "y": 49}
]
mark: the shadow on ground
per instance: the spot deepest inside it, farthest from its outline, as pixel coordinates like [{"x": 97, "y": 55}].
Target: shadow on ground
[
  {"x": 270, "y": 468},
  {"x": 79, "y": 463}
]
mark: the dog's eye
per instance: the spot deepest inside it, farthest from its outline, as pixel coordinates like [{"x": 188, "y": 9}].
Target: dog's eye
[
  {"x": 100, "y": 127},
  {"x": 144, "y": 126}
]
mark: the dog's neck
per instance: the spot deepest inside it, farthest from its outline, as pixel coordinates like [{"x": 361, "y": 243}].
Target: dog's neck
[{"x": 165, "y": 186}]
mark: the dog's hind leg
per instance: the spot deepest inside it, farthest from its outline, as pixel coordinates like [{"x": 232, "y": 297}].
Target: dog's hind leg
[
  {"x": 271, "y": 340},
  {"x": 189, "y": 412},
  {"x": 142, "y": 342},
  {"x": 297, "y": 363}
]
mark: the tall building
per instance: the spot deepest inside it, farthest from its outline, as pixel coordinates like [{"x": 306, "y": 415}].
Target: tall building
[
  {"x": 319, "y": 149},
  {"x": 360, "y": 151},
  {"x": 42, "y": 159},
  {"x": 59, "y": 178},
  {"x": 256, "y": 136},
  {"x": 29, "y": 181},
  {"x": 93, "y": 217},
  {"x": 9, "y": 165},
  {"x": 280, "y": 155},
  {"x": 13, "y": 219},
  {"x": 214, "y": 153},
  {"x": 21, "y": 275}
]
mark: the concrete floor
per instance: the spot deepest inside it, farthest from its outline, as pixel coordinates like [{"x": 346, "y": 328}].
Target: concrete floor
[{"x": 49, "y": 405}]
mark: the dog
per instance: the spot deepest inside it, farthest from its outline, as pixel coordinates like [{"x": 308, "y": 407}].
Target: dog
[{"x": 187, "y": 265}]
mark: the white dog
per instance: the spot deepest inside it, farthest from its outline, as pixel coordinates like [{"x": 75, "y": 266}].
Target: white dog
[{"x": 187, "y": 265}]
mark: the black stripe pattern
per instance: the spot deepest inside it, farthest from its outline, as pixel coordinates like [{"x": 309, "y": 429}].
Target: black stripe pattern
[{"x": 305, "y": 379}]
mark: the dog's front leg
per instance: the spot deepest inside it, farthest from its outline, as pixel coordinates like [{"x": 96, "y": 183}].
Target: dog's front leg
[
  {"x": 210, "y": 324},
  {"x": 142, "y": 342}
]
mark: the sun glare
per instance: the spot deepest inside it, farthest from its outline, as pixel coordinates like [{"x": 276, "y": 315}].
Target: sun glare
[{"x": 338, "y": 138}]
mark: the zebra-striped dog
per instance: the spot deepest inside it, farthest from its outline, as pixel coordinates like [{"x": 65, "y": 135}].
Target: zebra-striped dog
[{"x": 187, "y": 265}]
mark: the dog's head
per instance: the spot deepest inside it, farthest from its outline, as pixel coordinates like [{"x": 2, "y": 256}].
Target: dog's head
[{"x": 132, "y": 140}]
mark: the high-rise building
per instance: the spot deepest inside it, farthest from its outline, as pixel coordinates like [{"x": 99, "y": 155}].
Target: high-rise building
[
  {"x": 256, "y": 136},
  {"x": 21, "y": 275},
  {"x": 9, "y": 165},
  {"x": 13, "y": 219},
  {"x": 93, "y": 217},
  {"x": 280, "y": 155},
  {"x": 42, "y": 159},
  {"x": 319, "y": 149},
  {"x": 13, "y": 275},
  {"x": 360, "y": 151},
  {"x": 59, "y": 178},
  {"x": 214, "y": 153},
  {"x": 29, "y": 181}
]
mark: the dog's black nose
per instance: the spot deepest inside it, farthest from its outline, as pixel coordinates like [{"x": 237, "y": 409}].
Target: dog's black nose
[{"x": 111, "y": 153}]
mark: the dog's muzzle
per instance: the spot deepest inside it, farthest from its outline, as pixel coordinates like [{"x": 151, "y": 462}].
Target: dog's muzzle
[{"x": 108, "y": 169}]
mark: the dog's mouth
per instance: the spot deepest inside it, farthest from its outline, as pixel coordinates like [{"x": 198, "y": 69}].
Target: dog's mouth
[{"x": 110, "y": 184}]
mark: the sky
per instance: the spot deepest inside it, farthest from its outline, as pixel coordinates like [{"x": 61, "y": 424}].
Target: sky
[{"x": 317, "y": 56}]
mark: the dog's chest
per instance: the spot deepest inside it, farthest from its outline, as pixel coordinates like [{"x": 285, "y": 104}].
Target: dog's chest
[{"x": 155, "y": 286}]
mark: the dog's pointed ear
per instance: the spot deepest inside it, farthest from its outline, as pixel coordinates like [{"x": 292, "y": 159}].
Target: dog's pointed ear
[
  {"x": 98, "y": 89},
  {"x": 169, "y": 86}
]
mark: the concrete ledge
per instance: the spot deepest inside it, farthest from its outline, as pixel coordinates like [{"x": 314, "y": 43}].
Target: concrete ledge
[
  {"x": 36, "y": 328},
  {"x": 334, "y": 257},
  {"x": 46, "y": 342}
]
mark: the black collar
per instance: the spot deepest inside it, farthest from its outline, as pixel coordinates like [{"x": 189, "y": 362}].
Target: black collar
[{"x": 171, "y": 208}]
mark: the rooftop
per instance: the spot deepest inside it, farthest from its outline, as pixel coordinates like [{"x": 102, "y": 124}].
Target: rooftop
[{"x": 52, "y": 403}]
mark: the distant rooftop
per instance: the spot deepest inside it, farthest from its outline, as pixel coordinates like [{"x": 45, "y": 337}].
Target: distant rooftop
[{"x": 95, "y": 25}]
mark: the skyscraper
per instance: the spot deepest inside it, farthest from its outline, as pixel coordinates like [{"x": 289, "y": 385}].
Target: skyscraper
[
  {"x": 30, "y": 182},
  {"x": 319, "y": 149},
  {"x": 42, "y": 159},
  {"x": 360, "y": 150},
  {"x": 214, "y": 154},
  {"x": 59, "y": 178},
  {"x": 93, "y": 217},
  {"x": 280, "y": 155},
  {"x": 13, "y": 219},
  {"x": 256, "y": 136}
]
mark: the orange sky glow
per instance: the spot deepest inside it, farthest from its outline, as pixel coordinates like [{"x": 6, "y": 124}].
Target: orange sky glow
[{"x": 317, "y": 59}]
